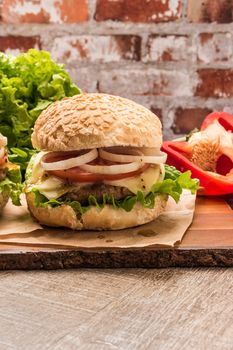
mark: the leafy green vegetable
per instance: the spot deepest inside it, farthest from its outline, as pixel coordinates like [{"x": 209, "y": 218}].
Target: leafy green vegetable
[
  {"x": 175, "y": 181},
  {"x": 20, "y": 156},
  {"x": 185, "y": 181},
  {"x": 29, "y": 83},
  {"x": 172, "y": 186},
  {"x": 171, "y": 172},
  {"x": 12, "y": 185}
]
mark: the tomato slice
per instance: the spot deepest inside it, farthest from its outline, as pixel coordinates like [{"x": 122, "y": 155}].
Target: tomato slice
[{"x": 78, "y": 175}]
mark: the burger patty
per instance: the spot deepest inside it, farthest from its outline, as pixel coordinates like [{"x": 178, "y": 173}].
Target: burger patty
[
  {"x": 82, "y": 193},
  {"x": 2, "y": 173}
]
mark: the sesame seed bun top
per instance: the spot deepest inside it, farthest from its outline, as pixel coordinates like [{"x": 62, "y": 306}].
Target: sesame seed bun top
[{"x": 93, "y": 121}]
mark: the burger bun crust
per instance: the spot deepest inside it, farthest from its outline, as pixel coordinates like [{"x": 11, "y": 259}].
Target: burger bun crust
[
  {"x": 93, "y": 121},
  {"x": 4, "y": 196}
]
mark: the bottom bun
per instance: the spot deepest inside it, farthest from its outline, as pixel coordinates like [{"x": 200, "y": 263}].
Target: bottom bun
[
  {"x": 4, "y": 196},
  {"x": 107, "y": 218}
]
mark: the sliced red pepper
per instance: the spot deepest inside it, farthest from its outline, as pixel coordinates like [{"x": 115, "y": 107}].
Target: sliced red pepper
[
  {"x": 225, "y": 119},
  {"x": 212, "y": 183}
]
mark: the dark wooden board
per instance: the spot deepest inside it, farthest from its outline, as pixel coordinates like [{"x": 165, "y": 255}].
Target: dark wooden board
[{"x": 208, "y": 242}]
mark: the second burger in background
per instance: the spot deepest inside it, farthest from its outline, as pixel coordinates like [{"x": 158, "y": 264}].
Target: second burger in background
[
  {"x": 100, "y": 165},
  {"x": 10, "y": 177}
]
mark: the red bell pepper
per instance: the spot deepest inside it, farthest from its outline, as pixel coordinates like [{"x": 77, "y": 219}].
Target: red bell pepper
[
  {"x": 211, "y": 183},
  {"x": 225, "y": 119}
]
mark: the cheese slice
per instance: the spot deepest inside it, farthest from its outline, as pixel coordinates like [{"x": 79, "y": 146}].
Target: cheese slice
[
  {"x": 52, "y": 187},
  {"x": 143, "y": 182}
]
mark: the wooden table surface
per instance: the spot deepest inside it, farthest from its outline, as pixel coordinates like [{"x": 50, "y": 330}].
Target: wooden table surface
[
  {"x": 117, "y": 309},
  {"x": 208, "y": 242}
]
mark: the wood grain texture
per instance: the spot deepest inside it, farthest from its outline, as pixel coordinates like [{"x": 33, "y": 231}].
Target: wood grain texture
[
  {"x": 208, "y": 242},
  {"x": 130, "y": 309}
]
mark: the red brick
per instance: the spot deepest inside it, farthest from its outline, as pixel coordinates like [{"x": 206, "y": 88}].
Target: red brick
[
  {"x": 73, "y": 11},
  {"x": 158, "y": 112},
  {"x": 42, "y": 11},
  {"x": 210, "y": 11},
  {"x": 187, "y": 119},
  {"x": 167, "y": 48},
  {"x": 214, "y": 47},
  {"x": 102, "y": 48},
  {"x": 15, "y": 44},
  {"x": 147, "y": 82},
  {"x": 215, "y": 83},
  {"x": 138, "y": 10}
]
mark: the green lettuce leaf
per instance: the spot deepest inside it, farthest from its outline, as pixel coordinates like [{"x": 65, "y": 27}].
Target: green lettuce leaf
[
  {"x": 21, "y": 156},
  {"x": 173, "y": 184},
  {"x": 182, "y": 180},
  {"x": 29, "y": 83},
  {"x": 12, "y": 184}
]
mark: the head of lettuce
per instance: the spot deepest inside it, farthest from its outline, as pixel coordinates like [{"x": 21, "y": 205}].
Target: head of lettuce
[{"x": 29, "y": 83}]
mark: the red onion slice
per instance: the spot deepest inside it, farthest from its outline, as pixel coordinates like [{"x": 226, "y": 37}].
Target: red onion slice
[
  {"x": 139, "y": 157},
  {"x": 70, "y": 162},
  {"x": 112, "y": 169}
]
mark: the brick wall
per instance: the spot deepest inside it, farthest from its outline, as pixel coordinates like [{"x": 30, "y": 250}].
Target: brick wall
[{"x": 173, "y": 56}]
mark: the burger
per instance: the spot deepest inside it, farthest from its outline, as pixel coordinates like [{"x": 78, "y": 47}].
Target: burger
[
  {"x": 100, "y": 166},
  {"x": 4, "y": 195},
  {"x": 10, "y": 177}
]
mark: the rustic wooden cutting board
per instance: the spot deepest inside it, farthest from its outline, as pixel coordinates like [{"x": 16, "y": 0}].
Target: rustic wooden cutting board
[{"x": 208, "y": 242}]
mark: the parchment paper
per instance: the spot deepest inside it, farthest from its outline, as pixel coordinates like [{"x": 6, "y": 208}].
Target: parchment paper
[
  {"x": 17, "y": 219},
  {"x": 17, "y": 227}
]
